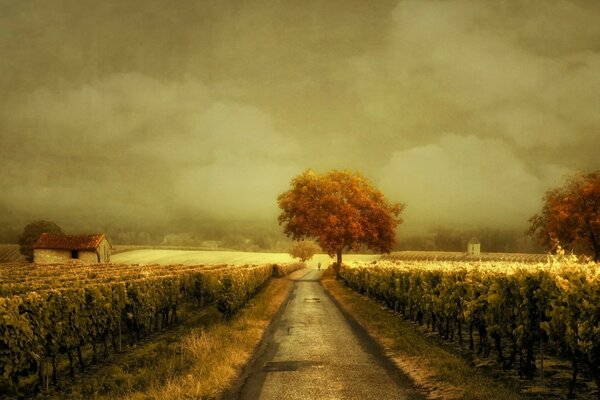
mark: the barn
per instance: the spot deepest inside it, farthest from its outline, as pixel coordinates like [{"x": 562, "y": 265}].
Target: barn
[{"x": 54, "y": 248}]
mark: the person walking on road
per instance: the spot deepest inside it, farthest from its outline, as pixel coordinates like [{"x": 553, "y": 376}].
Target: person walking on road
[{"x": 319, "y": 265}]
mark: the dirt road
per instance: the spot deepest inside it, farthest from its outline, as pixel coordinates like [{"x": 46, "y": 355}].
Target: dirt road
[{"x": 315, "y": 352}]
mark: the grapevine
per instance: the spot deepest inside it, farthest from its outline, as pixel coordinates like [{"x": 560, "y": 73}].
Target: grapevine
[
  {"x": 554, "y": 305},
  {"x": 54, "y": 312}
]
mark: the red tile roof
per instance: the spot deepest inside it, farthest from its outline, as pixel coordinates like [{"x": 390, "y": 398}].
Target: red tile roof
[{"x": 68, "y": 242}]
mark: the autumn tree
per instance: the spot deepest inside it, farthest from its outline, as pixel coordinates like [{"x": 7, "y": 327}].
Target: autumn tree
[
  {"x": 32, "y": 232},
  {"x": 341, "y": 211},
  {"x": 304, "y": 250},
  {"x": 571, "y": 215}
]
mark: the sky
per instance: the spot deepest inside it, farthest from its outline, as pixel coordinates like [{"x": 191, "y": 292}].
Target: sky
[{"x": 161, "y": 113}]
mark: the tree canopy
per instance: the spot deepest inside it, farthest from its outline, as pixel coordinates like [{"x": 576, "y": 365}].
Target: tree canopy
[
  {"x": 570, "y": 215},
  {"x": 341, "y": 211},
  {"x": 32, "y": 232},
  {"x": 304, "y": 250}
]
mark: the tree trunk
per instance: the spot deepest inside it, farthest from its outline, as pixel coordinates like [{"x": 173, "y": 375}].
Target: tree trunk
[
  {"x": 71, "y": 366},
  {"x": 573, "y": 382},
  {"x": 338, "y": 263},
  {"x": 54, "y": 370},
  {"x": 105, "y": 346},
  {"x": 471, "y": 341},
  {"x": 41, "y": 370},
  {"x": 596, "y": 245},
  {"x": 498, "y": 342},
  {"x": 115, "y": 348},
  {"x": 80, "y": 359},
  {"x": 94, "y": 352}
]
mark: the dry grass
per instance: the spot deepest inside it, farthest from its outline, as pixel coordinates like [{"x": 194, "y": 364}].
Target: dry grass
[
  {"x": 213, "y": 358},
  {"x": 440, "y": 373}
]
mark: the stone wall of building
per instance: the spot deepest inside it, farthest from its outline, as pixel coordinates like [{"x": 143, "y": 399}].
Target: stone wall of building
[
  {"x": 88, "y": 256},
  {"x": 103, "y": 252},
  {"x": 49, "y": 256}
]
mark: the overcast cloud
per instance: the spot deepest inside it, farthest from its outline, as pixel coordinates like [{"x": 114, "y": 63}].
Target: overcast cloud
[{"x": 149, "y": 112}]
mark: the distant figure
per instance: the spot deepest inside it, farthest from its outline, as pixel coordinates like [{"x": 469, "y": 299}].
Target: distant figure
[{"x": 319, "y": 265}]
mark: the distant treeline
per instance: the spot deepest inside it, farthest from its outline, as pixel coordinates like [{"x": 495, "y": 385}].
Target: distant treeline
[
  {"x": 228, "y": 235},
  {"x": 236, "y": 235},
  {"x": 266, "y": 235},
  {"x": 449, "y": 239}
]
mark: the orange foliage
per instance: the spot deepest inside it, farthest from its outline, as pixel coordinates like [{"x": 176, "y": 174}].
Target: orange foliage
[
  {"x": 571, "y": 215},
  {"x": 340, "y": 210}
]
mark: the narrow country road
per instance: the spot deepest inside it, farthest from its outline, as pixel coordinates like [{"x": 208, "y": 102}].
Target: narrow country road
[{"x": 314, "y": 352}]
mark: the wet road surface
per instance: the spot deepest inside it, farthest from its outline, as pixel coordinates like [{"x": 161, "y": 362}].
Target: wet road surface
[{"x": 315, "y": 352}]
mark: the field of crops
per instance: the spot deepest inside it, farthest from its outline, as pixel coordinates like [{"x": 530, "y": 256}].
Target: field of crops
[
  {"x": 10, "y": 253},
  {"x": 517, "y": 313},
  {"x": 161, "y": 256},
  {"x": 67, "y": 314}
]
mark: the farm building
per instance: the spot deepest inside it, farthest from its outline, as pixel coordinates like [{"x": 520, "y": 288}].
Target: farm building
[
  {"x": 474, "y": 247},
  {"x": 55, "y": 248}
]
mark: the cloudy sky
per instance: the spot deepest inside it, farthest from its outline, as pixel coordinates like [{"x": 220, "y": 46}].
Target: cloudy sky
[{"x": 148, "y": 112}]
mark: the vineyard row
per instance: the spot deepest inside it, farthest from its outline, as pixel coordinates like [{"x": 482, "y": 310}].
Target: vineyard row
[
  {"x": 38, "y": 278},
  {"x": 37, "y": 328},
  {"x": 556, "y": 306}
]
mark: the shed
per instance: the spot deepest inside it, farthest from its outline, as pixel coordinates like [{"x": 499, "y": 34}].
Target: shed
[
  {"x": 53, "y": 248},
  {"x": 474, "y": 247}
]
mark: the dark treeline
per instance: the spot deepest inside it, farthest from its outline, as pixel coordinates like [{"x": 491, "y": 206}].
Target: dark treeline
[
  {"x": 266, "y": 235},
  {"x": 253, "y": 235},
  {"x": 450, "y": 239}
]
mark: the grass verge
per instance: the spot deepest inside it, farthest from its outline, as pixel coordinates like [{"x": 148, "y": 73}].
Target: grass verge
[
  {"x": 439, "y": 372},
  {"x": 217, "y": 355}
]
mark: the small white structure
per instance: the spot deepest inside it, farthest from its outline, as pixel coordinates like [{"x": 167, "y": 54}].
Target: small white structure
[
  {"x": 474, "y": 247},
  {"x": 53, "y": 248}
]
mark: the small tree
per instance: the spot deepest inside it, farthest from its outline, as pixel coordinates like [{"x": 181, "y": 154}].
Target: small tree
[
  {"x": 304, "y": 250},
  {"x": 340, "y": 210},
  {"x": 571, "y": 215},
  {"x": 32, "y": 232}
]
